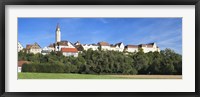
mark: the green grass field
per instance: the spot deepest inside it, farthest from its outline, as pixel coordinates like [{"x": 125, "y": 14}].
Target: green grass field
[{"x": 90, "y": 76}]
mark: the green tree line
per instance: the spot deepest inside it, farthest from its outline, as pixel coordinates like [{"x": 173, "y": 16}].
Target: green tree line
[{"x": 166, "y": 62}]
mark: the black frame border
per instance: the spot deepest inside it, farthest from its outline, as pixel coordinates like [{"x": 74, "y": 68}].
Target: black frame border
[{"x": 3, "y": 3}]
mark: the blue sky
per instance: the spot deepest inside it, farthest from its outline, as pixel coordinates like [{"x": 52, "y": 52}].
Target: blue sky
[{"x": 166, "y": 32}]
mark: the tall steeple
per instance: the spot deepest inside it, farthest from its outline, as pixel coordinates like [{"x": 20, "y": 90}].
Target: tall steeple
[{"x": 58, "y": 33}]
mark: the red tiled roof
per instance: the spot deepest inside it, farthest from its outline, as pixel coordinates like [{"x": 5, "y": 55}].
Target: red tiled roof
[
  {"x": 132, "y": 46},
  {"x": 74, "y": 50},
  {"x": 33, "y": 46},
  {"x": 28, "y": 46},
  {"x": 103, "y": 44},
  {"x": 20, "y": 63}
]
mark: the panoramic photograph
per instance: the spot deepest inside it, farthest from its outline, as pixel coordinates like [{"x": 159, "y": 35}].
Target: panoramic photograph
[{"x": 99, "y": 48}]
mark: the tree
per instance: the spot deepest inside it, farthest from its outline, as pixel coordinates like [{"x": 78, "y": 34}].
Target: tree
[
  {"x": 154, "y": 63},
  {"x": 170, "y": 62},
  {"x": 141, "y": 61},
  {"x": 105, "y": 62}
]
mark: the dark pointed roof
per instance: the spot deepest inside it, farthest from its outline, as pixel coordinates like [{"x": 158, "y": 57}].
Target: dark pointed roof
[
  {"x": 94, "y": 44},
  {"x": 36, "y": 44},
  {"x": 63, "y": 43},
  {"x": 149, "y": 45},
  {"x": 118, "y": 44},
  {"x": 77, "y": 43},
  {"x": 79, "y": 47}
]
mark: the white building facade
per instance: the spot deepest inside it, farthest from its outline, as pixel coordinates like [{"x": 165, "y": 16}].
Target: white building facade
[
  {"x": 58, "y": 45},
  {"x": 63, "y": 44},
  {"x": 51, "y": 47},
  {"x": 35, "y": 48},
  {"x": 45, "y": 51},
  {"x": 151, "y": 47},
  {"x": 131, "y": 48},
  {"x": 69, "y": 52},
  {"x": 19, "y": 47},
  {"x": 119, "y": 47},
  {"x": 70, "y": 49},
  {"x": 104, "y": 46},
  {"x": 90, "y": 46}
]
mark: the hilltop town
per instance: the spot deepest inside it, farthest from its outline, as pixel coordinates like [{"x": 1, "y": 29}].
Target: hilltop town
[
  {"x": 101, "y": 58},
  {"x": 72, "y": 49}
]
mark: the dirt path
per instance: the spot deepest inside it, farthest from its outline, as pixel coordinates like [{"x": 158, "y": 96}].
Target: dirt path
[{"x": 150, "y": 76}]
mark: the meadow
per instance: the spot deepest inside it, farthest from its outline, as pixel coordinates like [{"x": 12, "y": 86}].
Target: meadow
[{"x": 91, "y": 76}]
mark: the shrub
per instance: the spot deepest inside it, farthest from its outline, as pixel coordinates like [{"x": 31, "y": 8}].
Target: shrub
[{"x": 105, "y": 62}]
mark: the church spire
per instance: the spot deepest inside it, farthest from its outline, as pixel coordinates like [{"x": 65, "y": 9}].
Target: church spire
[
  {"x": 58, "y": 27},
  {"x": 58, "y": 33}
]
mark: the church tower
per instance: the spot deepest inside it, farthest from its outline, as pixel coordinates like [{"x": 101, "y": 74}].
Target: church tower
[{"x": 58, "y": 34}]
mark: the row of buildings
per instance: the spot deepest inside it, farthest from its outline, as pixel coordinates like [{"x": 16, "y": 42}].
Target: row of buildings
[
  {"x": 72, "y": 49},
  {"x": 69, "y": 49}
]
